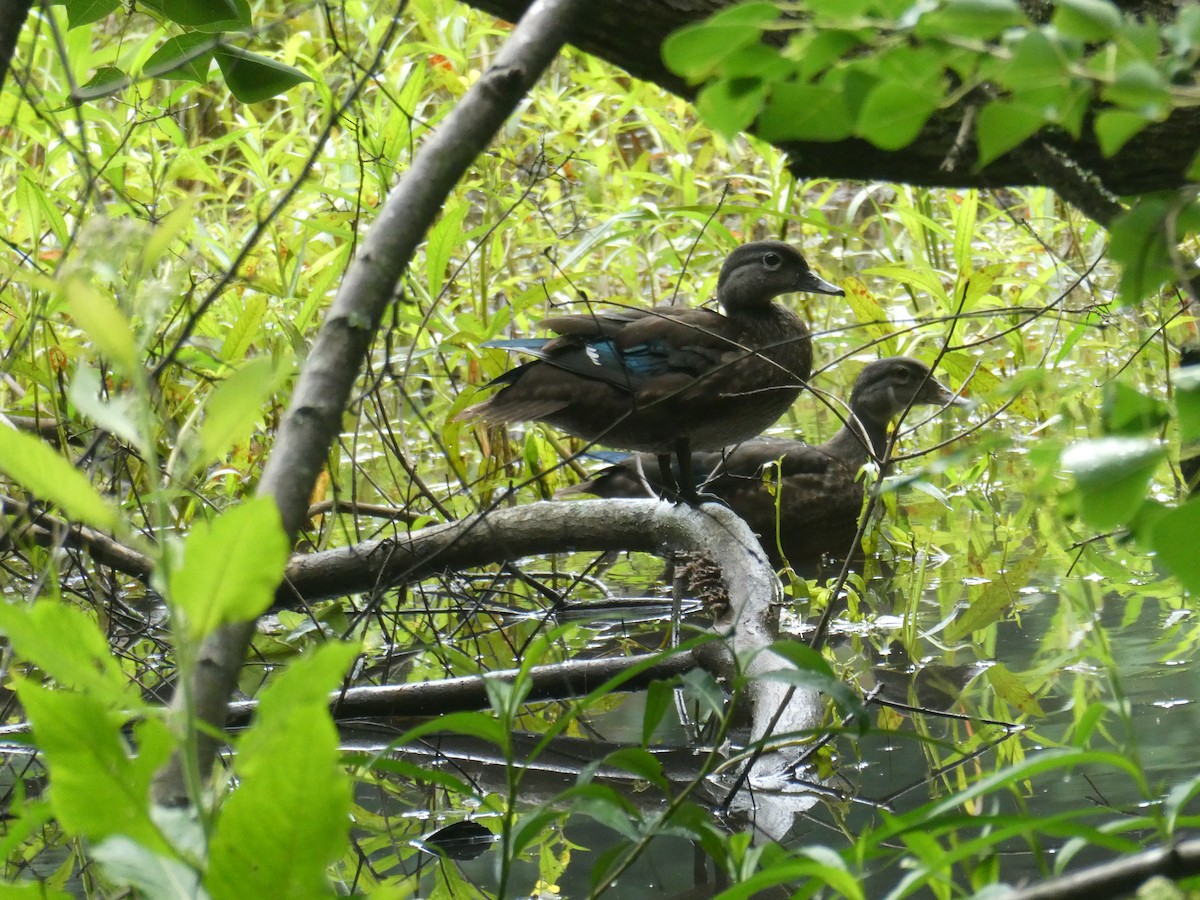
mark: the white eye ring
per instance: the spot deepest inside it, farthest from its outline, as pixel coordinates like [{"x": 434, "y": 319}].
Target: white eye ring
[{"x": 772, "y": 260}]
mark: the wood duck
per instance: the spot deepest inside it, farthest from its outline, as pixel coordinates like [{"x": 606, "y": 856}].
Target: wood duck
[
  {"x": 668, "y": 378},
  {"x": 819, "y": 495}
]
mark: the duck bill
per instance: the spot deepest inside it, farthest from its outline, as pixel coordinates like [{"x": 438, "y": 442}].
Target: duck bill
[
  {"x": 814, "y": 284},
  {"x": 940, "y": 395}
]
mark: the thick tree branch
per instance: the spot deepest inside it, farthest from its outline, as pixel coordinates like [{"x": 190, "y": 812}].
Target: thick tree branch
[
  {"x": 314, "y": 416},
  {"x": 629, "y": 34}
]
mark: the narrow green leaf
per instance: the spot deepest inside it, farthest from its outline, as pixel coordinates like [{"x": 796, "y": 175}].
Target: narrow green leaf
[
  {"x": 104, "y": 324},
  {"x": 230, "y": 567},
  {"x": 894, "y": 114},
  {"x": 246, "y": 329},
  {"x": 253, "y": 78},
  {"x": 289, "y": 817},
  {"x": 659, "y": 697},
  {"x": 965, "y": 225},
  {"x": 51, "y": 478},
  {"x": 444, "y": 237}
]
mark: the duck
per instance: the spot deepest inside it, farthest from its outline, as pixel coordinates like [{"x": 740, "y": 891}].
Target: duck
[
  {"x": 670, "y": 379},
  {"x": 802, "y": 500}
]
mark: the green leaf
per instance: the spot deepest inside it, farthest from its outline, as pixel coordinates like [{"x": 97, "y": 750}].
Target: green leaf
[
  {"x": 253, "y": 78},
  {"x": 1173, "y": 538},
  {"x": 1088, "y": 20},
  {"x": 894, "y": 114},
  {"x": 805, "y": 112},
  {"x": 117, "y": 415},
  {"x": 98, "y": 788},
  {"x": 1186, "y": 384},
  {"x": 1111, "y": 475},
  {"x": 1140, "y": 88},
  {"x": 85, "y": 12},
  {"x": 1138, "y": 243},
  {"x": 697, "y": 51},
  {"x": 1012, "y": 690},
  {"x": 980, "y": 19},
  {"x": 1115, "y": 127},
  {"x": 1127, "y": 411},
  {"x": 105, "y": 80},
  {"x": 233, "y": 408},
  {"x": 36, "y": 467},
  {"x": 993, "y": 600},
  {"x": 65, "y": 643},
  {"x": 730, "y": 105},
  {"x": 444, "y": 236},
  {"x": 129, "y": 864},
  {"x": 659, "y": 697},
  {"x": 187, "y": 57},
  {"x": 289, "y": 816},
  {"x": 230, "y": 567},
  {"x": 207, "y": 15},
  {"x": 104, "y": 324},
  {"x": 812, "y": 671},
  {"x": 870, "y": 314}
]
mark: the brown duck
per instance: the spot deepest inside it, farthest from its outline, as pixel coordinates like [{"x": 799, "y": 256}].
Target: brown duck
[
  {"x": 819, "y": 495},
  {"x": 671, "y": 379}
]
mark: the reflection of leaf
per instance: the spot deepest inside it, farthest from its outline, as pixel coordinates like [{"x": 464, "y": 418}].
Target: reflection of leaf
[
  {"x": 995, "y": 598},
  {"x": 1111, "y": 475},
  {"x": 460, "y": 840},
  {"x": 1012, "y": 691}
]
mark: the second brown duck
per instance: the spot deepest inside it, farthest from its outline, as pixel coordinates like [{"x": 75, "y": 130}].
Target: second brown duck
[{"x": 819, "y": 494}]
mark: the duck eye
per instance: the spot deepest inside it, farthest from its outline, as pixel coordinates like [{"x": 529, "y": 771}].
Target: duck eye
[
  {"x": 772, "y": 260},
  {"x": 902, "y": 374}
]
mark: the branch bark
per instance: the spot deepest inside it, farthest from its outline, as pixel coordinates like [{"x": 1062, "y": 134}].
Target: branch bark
[{"x": 314, "y": 416}]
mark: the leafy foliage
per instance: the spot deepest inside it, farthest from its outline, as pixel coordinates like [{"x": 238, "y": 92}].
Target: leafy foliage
[{"x": 169, "y": 271}]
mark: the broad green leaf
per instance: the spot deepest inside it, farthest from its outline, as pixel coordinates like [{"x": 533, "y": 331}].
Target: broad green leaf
[
  {"x": 1138, "y": 244},
  {"x": 85, "y": 12},
  {"x": 129, "y": 864},
  {"x": 697, "y": 51},
  {"x": 730, "y": 105},
  {"x": 1088, "y": 20},
  {"x": 187, "y": 57},
  {"x": 237, "y": 403},
  {"x": 98, "y": 788},
  {"x": 1173, "y": 538},
  {"x": 207, "y": 15},
  {"x": 1115, "y": 127},
  {"x": 1186, "y": 383},
  {"x": 443, "y": 238},
  {"x": 118, "y": 414},
  {"x": 230, "y": 567},
  {"x": 822, "y": 49},
  {"x": 1111, "y": 475},
  {"x": 65, "y": 643},
  {"x": 1001, "y": 126},
  {"x": 983, "y": 19},
  {"x": 983, "y": 384},
  {"x": 805, "y": 112},
  {"x": 641, "y": 763},
  {"x": 1140, "y": 88},
  {"x": 289, "y": 816},
  {"x": 36, "y": 467},
  {"x": 253, "y": 78},
  {"x": 105, "y": 80},
  {"x": 106, "y": 326},
  {"x": 1126, "y": 410},
  {"x": 894, "y": 114},
  {"x": 812, "y": 671}
]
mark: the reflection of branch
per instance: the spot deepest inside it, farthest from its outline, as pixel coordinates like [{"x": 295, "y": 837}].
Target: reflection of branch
[
  {"x": 1118, "y": 878},
  {"x": 314, "y": 417}
]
